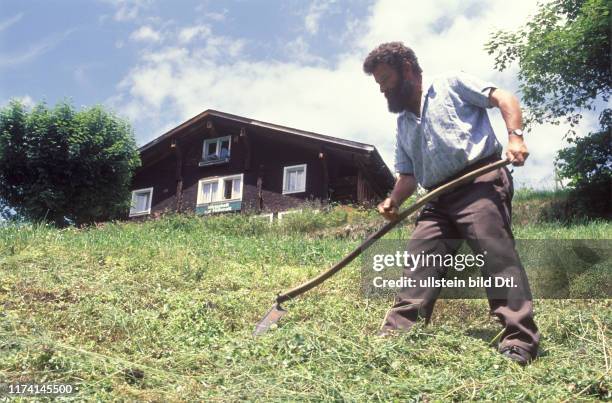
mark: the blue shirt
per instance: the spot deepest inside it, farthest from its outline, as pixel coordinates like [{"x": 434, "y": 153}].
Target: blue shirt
[{"x": 453, "y": 131}]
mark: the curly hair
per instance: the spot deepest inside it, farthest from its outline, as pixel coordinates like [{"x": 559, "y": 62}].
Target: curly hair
[{"x": 392, "y": 53}]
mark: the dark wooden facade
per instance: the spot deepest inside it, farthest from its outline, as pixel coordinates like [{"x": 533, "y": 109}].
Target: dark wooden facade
[{"x": 336, "y": 170}]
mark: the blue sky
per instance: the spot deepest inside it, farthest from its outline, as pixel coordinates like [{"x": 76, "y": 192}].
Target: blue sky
[
  {"x": 82, "y": 49},
  {"x": 296, "y": 63}
]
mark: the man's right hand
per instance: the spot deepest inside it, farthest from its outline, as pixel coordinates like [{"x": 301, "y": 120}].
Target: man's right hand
[
  {"x": 389, "y": 209},
  {"x": 404, "y": 187}
]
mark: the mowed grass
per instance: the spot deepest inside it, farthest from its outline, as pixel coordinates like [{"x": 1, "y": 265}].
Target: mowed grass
[{"x": 164, "y": 311}]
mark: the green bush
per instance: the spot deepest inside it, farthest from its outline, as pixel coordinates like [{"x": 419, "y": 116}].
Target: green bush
[{"x": 59, "y": 165}]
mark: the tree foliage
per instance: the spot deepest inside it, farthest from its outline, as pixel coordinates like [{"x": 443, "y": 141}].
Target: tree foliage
[
  {"x": 62, "y": 165},
  {"x": 588, "y": 165},
  {"x": 563, "y": 54}
]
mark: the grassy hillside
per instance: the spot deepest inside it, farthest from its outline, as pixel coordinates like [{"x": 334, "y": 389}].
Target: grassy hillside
[{"x": 164, "y": 310}]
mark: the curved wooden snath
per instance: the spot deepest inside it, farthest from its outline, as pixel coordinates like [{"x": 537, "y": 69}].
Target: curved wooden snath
[{"x": 276, "y": 312}]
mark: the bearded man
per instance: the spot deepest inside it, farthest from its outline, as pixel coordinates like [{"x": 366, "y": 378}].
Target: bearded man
[{"x": 443, "y": 132}]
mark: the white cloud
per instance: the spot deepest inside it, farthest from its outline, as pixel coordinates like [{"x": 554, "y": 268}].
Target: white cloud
[
  {"x": 152, "y": 85},
  {"x": 128, "y": 10},
  {"x": 146, "y": 34},
  {"x": 299, "y": 51},
  {"x": 316, "y": 10},
  {"x": 460, "y": 46},
  {"x": 34, "y": 51},
  {"x": 26, "y": 100},
  {"x": 187, "y": 34},
  {"x": 217, "y": 46},
  {"x": 182, "y": 83},
  {"x": 5, "y": 24},
  {"x": 217, "y": 16},
  {"x": 82, "y": 74},
  {"x": 126, "y": 13},
  {"x": 172, "y": 84}
]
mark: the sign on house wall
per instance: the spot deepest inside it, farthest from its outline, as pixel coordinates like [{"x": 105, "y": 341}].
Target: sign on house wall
[{"x": 219, "y": 207}]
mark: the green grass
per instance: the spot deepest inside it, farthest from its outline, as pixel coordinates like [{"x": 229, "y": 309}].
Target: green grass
[
  {"x": 527, "y": 194},
  {"x": 177, "y": 300}
]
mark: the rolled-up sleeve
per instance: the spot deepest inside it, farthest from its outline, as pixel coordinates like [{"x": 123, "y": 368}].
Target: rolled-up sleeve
[
  {"x": 472, "y": 90},
  {"x": 403, "y": 163}
]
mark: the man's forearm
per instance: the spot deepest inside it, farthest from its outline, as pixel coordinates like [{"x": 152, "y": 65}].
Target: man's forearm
[
  {"x": 509, "y": 107},
  {"x": 511, "y": 113},
  {"x": 405, "y": 185}
]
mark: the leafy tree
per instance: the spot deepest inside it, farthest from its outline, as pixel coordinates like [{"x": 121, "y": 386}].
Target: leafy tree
[
  {"x": 588, "y": 165},
  {"x": 61, "y": 166},
  {"x": 563, "y": 53}
]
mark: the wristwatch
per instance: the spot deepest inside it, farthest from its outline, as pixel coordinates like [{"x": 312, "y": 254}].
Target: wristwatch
[{"x": 517, "y": 132}]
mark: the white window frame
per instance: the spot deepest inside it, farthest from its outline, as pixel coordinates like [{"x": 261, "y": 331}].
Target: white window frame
[
  {"x": 220, "y": 180},
  {"x": 281, "y": 214},
  {"x": 134, "y": 213},
  {"x": 218, "y": 141},
  {"x": 201, "y": 183},
  {"x": 287, "y": 168}
]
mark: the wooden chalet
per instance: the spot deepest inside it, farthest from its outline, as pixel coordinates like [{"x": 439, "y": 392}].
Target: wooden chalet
[{"x": 217, "y": 162}]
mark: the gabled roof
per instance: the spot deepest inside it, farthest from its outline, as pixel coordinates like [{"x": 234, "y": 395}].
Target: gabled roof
[
  {"x": 376, "y": 169},
  {"x": 239, "y": 119}
]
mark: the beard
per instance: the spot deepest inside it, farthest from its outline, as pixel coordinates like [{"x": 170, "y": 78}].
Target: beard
[{"x": 398, "y": 97}]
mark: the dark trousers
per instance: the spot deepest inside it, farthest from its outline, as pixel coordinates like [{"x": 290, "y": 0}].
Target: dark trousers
[{"x": 478, "y": 212}]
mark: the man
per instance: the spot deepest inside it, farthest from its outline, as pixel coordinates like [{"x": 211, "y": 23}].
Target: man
[{"x": 443, "y": 132}]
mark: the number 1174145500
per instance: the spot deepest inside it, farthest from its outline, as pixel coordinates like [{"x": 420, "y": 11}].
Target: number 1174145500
[{"x": 33, "y": 389}]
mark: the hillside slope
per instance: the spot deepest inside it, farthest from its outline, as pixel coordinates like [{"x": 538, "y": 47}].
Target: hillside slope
[{"x": 164, "y": 310}]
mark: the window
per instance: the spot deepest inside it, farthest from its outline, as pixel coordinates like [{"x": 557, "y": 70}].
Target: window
[
  {"x": 294, "y": 179},
  {"x": 217, "y": 149},
  {"x": 141, "y": 202},
  {"x": 220, "y": 189},
  {"x": 209, "y": 191}
]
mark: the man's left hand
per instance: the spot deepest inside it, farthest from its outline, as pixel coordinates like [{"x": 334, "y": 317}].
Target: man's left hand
[{"x": 517, "y": 151}]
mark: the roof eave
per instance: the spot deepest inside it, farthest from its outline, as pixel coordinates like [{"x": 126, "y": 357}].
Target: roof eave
[{"x": 210, "y": 112}]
